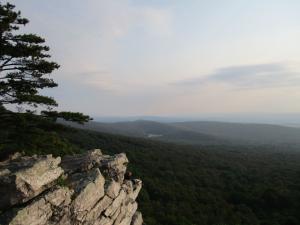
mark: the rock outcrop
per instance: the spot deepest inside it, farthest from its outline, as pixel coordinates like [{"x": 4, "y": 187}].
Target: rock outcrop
[{"x": 86, "y": 189}]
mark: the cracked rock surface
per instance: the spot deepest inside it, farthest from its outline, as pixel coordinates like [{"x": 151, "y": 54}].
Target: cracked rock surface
[{"x": 86, "y": 189}]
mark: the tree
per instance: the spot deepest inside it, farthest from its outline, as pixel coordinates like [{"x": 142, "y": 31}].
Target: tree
[{"x": 25, "y": 68}]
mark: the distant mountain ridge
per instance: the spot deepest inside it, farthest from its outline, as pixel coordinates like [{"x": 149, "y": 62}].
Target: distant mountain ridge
[
  {"x": 246, "y": 132},
  {"x": 200, "y": 132},
  {"x": 152, "y": 130}
]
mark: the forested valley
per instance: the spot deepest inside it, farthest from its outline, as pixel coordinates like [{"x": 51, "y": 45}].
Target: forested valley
[{"x": 185, "y": 184}]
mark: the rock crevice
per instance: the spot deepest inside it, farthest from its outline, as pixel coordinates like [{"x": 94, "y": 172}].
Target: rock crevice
[{"x": 86, "y": 189}]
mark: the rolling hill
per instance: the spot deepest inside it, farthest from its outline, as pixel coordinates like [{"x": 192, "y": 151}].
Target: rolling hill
[
  {"x": 152, "y": 130},
  {"x": 184, "y": 184},
  {"x": 200, "y": 132},
  {"x": 247, "y": 133},
  {"x": 206, "y": 185}
]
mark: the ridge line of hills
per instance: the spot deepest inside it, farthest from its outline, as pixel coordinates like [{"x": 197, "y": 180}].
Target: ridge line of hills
[
  {"x": 199, "y": 132},
  {"x": 184, "y": 184}
]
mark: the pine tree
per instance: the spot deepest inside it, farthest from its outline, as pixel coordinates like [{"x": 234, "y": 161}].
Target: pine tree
[{"x": 25, "y": 68}]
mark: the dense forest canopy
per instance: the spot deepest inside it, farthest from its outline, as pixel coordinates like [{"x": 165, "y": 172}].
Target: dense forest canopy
[
  {"x": 203, "y": 185},
  {"x": 209, "y": 185}
]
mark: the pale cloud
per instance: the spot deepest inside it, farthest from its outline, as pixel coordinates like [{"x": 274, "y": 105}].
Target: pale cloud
[
  {"x": 157, "y": 21},
  {"x": 87, "y": 41},
  {"x": 118, "y": 18},
  {"x": 100, "y": 80},
  {"x": 100, "y": 35},
  {"x": 249, "y": 76},
  {"x": 118, "y": 57}
]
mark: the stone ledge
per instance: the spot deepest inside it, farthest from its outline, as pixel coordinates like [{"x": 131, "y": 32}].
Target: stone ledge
[{"x": 84, "y": 189}]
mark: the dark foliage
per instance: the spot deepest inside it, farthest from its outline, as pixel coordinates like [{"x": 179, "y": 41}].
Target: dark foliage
[
  {"x": 31, "y": 134},
  {"x": 217, "y": 185},
  {"x": 23, "y": 62},
  {"x": 211, "y": 185}
]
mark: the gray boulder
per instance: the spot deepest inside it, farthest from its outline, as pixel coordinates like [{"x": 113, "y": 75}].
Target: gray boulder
[
  {"x": 23, "y": 178},
  {"x": 87, "y": 189}
]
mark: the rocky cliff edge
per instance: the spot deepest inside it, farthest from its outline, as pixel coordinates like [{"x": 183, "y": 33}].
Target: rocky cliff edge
[{"x": 86, "y": 189}]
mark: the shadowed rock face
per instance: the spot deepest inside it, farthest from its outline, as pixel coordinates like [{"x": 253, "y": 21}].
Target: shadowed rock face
[{"x": 87, "y": 189}]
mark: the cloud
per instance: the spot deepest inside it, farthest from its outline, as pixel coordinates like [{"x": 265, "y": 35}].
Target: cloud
[
  {"x": 118, "y": 18},
  {"x": 248, "y": 76},
  {"x": 158, "y": 21}
]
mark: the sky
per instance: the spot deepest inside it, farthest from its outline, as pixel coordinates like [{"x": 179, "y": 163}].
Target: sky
[{"x": 171, "y": 58}]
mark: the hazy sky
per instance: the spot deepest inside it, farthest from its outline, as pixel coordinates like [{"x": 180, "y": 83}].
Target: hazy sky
[{"x": 159, "y": 57}]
